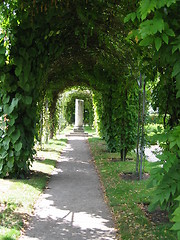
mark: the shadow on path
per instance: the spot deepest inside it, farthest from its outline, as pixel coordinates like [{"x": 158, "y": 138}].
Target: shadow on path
[{"x": 72, "y": 207}]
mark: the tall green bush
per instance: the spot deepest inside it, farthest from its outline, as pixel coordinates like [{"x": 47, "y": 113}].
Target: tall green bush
[{"x": 156, "y": 29}]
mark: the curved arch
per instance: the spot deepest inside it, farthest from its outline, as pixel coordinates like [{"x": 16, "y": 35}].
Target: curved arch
[{"x": 52, "y": 45}]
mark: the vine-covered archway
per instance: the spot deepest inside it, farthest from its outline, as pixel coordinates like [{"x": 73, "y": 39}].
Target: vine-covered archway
[{"x": 49, "y": 45}]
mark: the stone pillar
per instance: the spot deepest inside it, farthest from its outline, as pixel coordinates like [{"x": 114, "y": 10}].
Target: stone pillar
[{"x": 79, "y": 113}]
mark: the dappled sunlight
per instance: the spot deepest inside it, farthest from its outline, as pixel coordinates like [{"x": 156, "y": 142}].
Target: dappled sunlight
[
  {"x": 5, "y": 185},
  {"x": 64, "y": 159},
  {"x": 67, "y": 148},
  {"x": 82, "y": 220},
  {"x": 47, "y": 155},
  {"x": 75, "y": 138},
  {"x": 57, "y": 171},
  {"x": 72, "y": 223},
  {"x": 72, "y": 206},
  {"x": 51, "y": 150}
]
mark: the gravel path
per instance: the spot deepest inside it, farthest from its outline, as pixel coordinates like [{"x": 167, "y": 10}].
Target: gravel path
[{"x": 72, "y": 207}]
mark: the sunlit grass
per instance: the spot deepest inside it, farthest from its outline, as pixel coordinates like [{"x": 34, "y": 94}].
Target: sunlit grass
[
  {"x": 17, "y": 197},
  {"x": 90, "y": 130},
  {"x": 124, "y": 196},
  {"x": 66, "y": 130}
]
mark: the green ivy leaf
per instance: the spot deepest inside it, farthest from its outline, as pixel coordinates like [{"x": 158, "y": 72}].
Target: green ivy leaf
[
  {"x": 10, "y": 130},
  {"x": 9, "y": 109},
  {"x": 170, "y": 32},
  {"x": 1, "y": 165},
  {"x": 5, "y": 99},
  {"x": 176, "y": 226},
  {"x": 10, "y": 162},
  {"x": 11, "y": 153},
  {"x": 165, "y": 38},
  {"x": 172, "y": 144},
  {"x": 178, "y": 143},
  {"x": 18, "y": 146},
  {"x": 176, "y": 44},
  {"x": 146, "y": 41},
  {"x": 131, "y": 16},
  {"x": 6, "y": 140},
  {"x": 15, "y": 136},
  {"x": 176, "y": 69},
  {"x": 178, "y": 94},
  {"x": 11, "y": 122},
  {"x": 146, "y": 7},
  {"x": 1, "y": 133},
  {"x": 18, "y": 70},
  {"x": 158, "y": 43},
  {"x": 3, "y": 153},
  {"x": 169, "y": 2}
]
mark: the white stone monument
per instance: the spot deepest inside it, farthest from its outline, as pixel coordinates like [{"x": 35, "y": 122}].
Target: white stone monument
[{"x": 79, "y": 114}]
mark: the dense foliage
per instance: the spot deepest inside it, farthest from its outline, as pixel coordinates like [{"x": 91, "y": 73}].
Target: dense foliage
[
  {"x": 32, "y": 39},
  {"x": 47, "y": 46},
  {"x": 68, "y": 106},
  {"x": 158, "y": 24}
]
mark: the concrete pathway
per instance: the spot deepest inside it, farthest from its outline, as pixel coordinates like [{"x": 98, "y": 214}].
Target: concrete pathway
[
  {"x": 150, "y": 153},
  {"x": 72, "y": 207}
]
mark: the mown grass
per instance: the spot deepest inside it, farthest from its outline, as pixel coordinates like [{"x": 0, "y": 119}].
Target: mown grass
[
  {"x": 17, "y": 197},
  {"x": 124, "y": 196},
  {"x": 90, "y": 130}
]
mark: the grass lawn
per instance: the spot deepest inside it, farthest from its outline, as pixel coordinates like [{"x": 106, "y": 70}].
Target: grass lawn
[
  {"x": 126, "y": 197},
  {"x": 17, "y": 197}
]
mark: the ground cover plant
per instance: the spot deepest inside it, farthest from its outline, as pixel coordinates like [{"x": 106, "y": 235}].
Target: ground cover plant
[
  {"x": 127, "y": 198},
  {"x": 17, "y": 196}
]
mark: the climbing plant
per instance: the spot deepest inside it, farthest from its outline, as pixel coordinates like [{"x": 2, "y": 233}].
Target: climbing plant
[
  {"x": 47, "y": 46},
  {"x": 34, "y": 37},
  {"x": 69, "y": 106},
  {"x": 117, "y": 109},
  {"x": 156, "y": 27}
]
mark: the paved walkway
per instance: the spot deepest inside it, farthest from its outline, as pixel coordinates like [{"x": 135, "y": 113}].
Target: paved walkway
[
  {"x": 72, "y": 207},
  {"x": 150, "y": 153}
]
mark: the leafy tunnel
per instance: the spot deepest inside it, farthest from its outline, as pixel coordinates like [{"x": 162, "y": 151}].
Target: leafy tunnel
[
  {"x": 115, "y": 48},
  {"x": 50, "y": 45},
  {"x": 47, "y": 46}
]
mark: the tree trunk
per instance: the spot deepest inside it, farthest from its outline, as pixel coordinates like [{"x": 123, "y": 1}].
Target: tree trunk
[
  {"x": 139, "y": 123},
  {"x": 46, "y": 123},
  {"x": 142, "y": 132},
  {"x": 41, "y": 127},
  {"x": 52, "y": 115}
]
